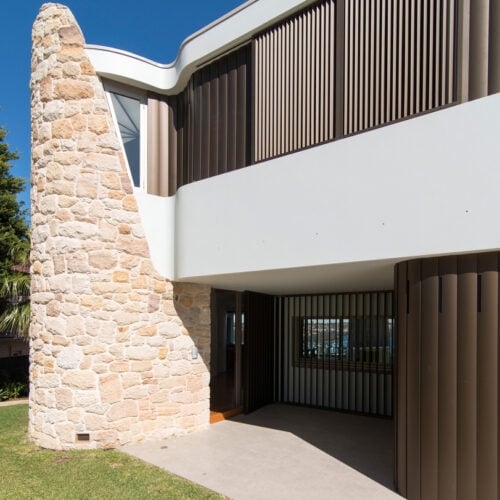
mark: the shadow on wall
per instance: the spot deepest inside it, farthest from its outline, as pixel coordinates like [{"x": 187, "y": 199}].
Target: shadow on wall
[{"x": 192, "y": 306}]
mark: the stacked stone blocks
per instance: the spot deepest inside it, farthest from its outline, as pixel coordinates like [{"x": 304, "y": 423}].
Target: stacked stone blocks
[{"x": 111, "y": 340}]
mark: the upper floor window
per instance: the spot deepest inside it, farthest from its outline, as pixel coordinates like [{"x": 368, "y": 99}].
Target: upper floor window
[{"x": 129, "y": 108}]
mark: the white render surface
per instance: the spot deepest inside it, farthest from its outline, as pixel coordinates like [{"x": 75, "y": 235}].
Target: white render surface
[
  {"x": 229, "y": 31},
  {"x": 333, "y": 217},
  {"x": 158, "y": 220},
  {"x": 338, "y": 216},
  {"x": 426, "y": 186}
]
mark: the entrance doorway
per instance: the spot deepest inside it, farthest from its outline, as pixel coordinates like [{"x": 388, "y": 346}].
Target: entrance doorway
[
  {"x": 226, "y": 352},
  {"x": 242, "y": 353}
]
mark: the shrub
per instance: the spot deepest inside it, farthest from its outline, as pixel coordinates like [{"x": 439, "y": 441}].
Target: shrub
[
  {"x": 13, "y": 377},
  {"x": 13, "y": 390}
]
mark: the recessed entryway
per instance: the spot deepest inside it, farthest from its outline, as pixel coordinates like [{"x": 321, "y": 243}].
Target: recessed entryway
[{"x": 226, "y": 354}]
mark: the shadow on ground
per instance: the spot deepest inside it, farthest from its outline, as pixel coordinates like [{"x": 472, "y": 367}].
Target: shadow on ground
[
  {"x": 362, "y": 442},
  {"x": 284, "y": 452}
]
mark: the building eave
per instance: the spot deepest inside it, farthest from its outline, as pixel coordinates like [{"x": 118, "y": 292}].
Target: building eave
[{"x": 226, "y": 33}]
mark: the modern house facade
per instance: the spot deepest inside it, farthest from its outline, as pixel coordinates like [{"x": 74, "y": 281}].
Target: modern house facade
[{"x": 300, "y": 209}]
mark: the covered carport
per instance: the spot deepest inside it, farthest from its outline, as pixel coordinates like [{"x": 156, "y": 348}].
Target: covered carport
[{"x": 284, "y": 451}]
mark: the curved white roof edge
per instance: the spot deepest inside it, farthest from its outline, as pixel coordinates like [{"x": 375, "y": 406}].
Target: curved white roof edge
[{"x": 218, "y": 37}]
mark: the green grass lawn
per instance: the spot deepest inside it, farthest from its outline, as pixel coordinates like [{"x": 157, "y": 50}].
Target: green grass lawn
[{"x": 27, "y": 471}]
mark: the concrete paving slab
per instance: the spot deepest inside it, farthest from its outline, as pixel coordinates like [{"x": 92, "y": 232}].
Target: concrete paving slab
[{"x": 284, "y": 452}]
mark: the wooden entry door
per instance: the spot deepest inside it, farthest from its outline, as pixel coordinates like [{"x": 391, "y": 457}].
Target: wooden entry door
[{"x": 258, "y": 350}]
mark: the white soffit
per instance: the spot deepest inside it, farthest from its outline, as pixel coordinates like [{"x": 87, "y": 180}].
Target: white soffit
[{"x": 348, "y": 277}]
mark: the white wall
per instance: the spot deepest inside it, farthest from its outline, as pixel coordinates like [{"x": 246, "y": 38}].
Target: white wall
[
  {"x": 426, "y": 186},
  {"x": 158, "y": 219},
  {"x": 338, "y": 216}
]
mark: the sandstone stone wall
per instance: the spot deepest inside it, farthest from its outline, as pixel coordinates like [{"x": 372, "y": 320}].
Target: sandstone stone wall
[{"x": 111, "y": 340}]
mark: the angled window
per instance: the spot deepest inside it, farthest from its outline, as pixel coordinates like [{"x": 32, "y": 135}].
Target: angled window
[{"x": 129, "y": 110}]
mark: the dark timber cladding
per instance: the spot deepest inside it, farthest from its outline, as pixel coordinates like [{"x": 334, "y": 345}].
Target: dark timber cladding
[
  {"x": 336, "y": 351},
  {"x": 447, "y": 425},
  {"x": 483, "y": 41},
  {"x": 336, "y": 68},
  {"x": 204, "y": 131}
]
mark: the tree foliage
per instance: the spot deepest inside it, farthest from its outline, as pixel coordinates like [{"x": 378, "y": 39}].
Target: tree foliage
[
  {"x": 13, "y": 227},
  {"x": 14, "y": 248},
  {"x": 15, "y": 294}
]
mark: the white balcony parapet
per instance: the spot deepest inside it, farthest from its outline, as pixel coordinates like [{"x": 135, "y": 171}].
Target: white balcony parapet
[{"x": 346, "y": 210}]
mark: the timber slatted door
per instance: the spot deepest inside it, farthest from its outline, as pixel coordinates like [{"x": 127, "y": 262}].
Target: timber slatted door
[{"x": 258, "y": 350}]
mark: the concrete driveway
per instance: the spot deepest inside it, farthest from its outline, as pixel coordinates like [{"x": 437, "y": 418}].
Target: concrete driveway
[{"x": 284, "y": 452}]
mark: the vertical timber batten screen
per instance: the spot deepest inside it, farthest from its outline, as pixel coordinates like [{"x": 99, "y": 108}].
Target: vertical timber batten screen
[
  {"x": 388, "y": 59},
  {"x": 336, "y": 68},
  {"x": 217, "y": 100},
  {"x": 399, "y": 60},
  {"x": 447, "y": 414},
  {"x": 294, "y": 83},
  {"x": 336, "y": 351},
  {"x": 203, "y": 131}
]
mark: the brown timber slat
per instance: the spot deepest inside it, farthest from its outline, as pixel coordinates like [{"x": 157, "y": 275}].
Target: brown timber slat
[
  {"x": 213, "y": 156},
  {"x": 172, "y": 147},
  {"x": 467, "y": 378},
  {"x": 487, "y": 375},
  {"x": 494, "y": 48},
  {"x": 157, "y": 148},
  {"x": 478, "y": 55},
  {"x": 205, "y": 146},
  {"x": 400, "y": 384},
  {"x": 413, "y": 437},
  {"x": 406, "y": 61},
  {"x": 447, "y": 382},
  {"x": 154, "y": 162},
  {"x": 429, "y": 380}
]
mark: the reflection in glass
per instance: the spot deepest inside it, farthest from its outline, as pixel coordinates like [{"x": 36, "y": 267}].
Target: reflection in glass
[
  {"x": 127, "y": 112},
  {"x": 360, "y": 340}
]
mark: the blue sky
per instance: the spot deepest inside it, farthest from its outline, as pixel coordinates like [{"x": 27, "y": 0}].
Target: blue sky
[{"x": 151, "y": 28}]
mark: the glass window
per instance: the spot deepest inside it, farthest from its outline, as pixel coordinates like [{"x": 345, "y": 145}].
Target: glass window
[
  {"x": 231, "y": 328},
  {"x": 128, "y": 116},
  {"x": 355, "y": 340}
]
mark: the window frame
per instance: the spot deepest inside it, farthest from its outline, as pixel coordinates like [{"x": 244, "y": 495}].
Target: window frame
[
  {"x": 111, "y": 87},
  {"x": 350, "y": 365}
]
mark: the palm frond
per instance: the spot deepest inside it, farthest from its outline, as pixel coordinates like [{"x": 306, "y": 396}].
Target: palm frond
[
  {"x": 15, "y": 319},
  {"x": 20, "y": 252},
  {"x": 14, "y": 285}
]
